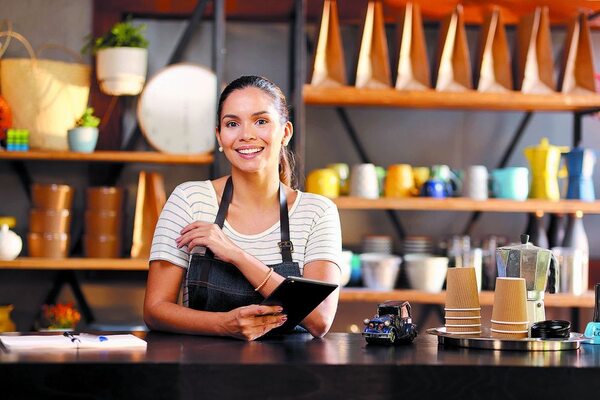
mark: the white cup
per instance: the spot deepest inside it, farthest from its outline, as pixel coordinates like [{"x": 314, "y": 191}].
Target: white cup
[
  {"x": 475, "y": 184},
  {"x": 364, "y": 181}
]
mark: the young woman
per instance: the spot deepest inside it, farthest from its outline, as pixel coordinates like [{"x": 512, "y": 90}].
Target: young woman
[{"x": 231, "y": 241}]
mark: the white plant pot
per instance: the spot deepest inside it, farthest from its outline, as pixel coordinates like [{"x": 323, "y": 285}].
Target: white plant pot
[{"x": 121, "y": 70}]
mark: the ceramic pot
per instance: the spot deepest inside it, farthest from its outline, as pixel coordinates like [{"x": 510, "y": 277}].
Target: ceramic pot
[
  {"x": 10, "y": 244},
  {"x": 82, "y": 139},
  {"x": 121, "y": 70}
]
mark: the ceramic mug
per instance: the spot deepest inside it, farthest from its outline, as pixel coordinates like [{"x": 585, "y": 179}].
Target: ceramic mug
[
  {"x": 510, "y": 183},
  {"x": 442, "y": 172},
  {"x": 399, "y": 181},
  {"x": 381, "y": 177},
  {"x": 325, "y": 182},
  {"x": 343, "y": 171},
  {"x": 435, "y": 188},
  {"x": 475, "y": 184},
  {"x": 364, "y": 181},
  {"x": 421, "y": 175}
]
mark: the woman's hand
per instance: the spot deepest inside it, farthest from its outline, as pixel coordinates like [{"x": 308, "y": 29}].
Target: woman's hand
[
  {"x": 209, "y": 235},
  {"x": 251, "y": 322}
]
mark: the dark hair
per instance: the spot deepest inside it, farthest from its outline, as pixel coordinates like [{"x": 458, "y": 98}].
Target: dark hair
[{"x": 286, "y": 159}]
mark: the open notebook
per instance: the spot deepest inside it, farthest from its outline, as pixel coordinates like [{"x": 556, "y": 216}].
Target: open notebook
[{"x": 76, "y": 341}]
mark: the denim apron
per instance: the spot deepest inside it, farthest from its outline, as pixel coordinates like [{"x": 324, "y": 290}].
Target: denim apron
[{"x": 215, "y": 285}]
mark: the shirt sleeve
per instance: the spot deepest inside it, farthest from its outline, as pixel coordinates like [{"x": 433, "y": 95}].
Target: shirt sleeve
[
  {"x": 175, "y": 215},
  {"x": 325, "y": 238}
]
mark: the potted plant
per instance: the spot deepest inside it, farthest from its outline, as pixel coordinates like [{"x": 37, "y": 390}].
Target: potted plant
[
  {"x": 60, "y": 317},
  {"x": 84, "y": 136},
  {"x": 121, "y": 59}
]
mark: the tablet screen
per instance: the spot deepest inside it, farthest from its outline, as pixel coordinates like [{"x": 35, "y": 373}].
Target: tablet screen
[{"x": 298, "y": 297}]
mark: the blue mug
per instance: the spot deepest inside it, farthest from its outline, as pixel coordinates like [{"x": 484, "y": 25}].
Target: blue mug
[{"x": 435, "y": 188}]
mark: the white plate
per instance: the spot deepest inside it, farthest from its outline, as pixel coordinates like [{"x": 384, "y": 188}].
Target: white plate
[{"x": 176, "y": 110}]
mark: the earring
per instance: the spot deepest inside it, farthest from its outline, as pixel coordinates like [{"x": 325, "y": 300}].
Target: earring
[{"x": 220, "y": 149}]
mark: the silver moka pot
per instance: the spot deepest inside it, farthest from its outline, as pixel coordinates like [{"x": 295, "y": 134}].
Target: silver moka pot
[{"x": 531, "y": 263}]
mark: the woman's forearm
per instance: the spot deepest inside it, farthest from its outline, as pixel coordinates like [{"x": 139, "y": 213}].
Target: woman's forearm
[{"x": 167, "y": 316}]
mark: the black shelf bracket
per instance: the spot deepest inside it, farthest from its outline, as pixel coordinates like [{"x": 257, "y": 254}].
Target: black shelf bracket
[
  {"x": 510, "y": 149},
  {"x": 352, "y": 134}
]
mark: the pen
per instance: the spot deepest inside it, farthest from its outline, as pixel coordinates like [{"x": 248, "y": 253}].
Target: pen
[
  {"x": 71, "y": 336},
  {"x": 93, "y": 337}
]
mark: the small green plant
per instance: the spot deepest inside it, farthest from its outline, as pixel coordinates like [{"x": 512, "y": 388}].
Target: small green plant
[
  {"x": 122, "y": 34},
  {"x": 88, "y": 119}
]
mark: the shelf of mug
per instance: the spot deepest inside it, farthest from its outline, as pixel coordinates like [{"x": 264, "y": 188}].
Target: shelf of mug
[
  {"x": 151, "y": 157},
  {"x": 96, "y": 264},
  {"x": 508, "y": 101},
  {"x": 466, "y": 204},
  {"x": 486, "y": 298}
]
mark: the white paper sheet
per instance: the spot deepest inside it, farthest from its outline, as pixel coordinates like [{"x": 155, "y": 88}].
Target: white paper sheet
[{"x": 85, "y": 341}]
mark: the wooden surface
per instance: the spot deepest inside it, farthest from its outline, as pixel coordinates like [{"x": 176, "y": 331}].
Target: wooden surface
[
  {"x": 354, "y": 11},
  {"x": 470, "y": 100},
  {"x": 80, "y": 264},
  {"x": 152, "y": 157},
  {"x": 486, "y": 298},
  {"x": 465, "y": 204},
  {"x": 338, "y": 366}
]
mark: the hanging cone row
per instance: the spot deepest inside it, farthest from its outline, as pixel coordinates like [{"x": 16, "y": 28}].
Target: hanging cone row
[{"x": 453, "y": 72}]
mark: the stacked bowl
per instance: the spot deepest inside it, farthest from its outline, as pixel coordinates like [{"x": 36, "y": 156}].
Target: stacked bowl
[
  {"x": 463, "y": 311},
  {"x": 103, "y": 222},
  {"x": 50, "y": 220},
  {"x": 377, "y": 244},
  {"x": 380, "y": 271}
]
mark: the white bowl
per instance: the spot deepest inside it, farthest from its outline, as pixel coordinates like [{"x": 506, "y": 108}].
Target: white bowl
[
  {"x": 379, "y": 271},
  {"x": 426, "y": 272}
]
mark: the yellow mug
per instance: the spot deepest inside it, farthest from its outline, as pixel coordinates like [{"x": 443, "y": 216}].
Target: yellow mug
[
  {"x": 399, "y": 181},
  {"x": 421, "y": 175},
  {"x": 325, "y": 182}
]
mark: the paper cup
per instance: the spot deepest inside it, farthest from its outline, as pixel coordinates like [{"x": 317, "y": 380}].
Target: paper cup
[
  {"x": 503, "y": 334},
  {"x": 510, "y": 301},
  {"x": 463, "y": 322},
  {"x": 461, "y": 289}
]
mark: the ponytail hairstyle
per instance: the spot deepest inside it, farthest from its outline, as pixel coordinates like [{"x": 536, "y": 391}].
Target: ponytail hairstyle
[{"x": 286, "y": 158}]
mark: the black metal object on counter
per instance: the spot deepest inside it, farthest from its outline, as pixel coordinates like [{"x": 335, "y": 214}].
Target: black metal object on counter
[{"x": 551, "y": 329}]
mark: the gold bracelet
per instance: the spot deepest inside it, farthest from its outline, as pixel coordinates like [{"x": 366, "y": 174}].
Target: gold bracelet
[{"x": 265, "y": 281}]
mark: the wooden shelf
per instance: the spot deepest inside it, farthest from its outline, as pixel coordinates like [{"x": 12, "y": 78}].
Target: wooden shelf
[
  {"x": 354, "y": 11},
  {"x": 349, "y": 96},
  {"x": 151, "y": 157},
  {"x": 112, "y": 264},
  {"x": 465, "y": 204},
  {"x": 486, "y": 298}
]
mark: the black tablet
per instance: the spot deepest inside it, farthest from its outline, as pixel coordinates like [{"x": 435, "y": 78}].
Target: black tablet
[{"x": 298, "y": 297}]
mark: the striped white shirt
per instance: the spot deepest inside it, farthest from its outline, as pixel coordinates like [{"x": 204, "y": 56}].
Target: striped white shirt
[{"x": 314, "y": 228}]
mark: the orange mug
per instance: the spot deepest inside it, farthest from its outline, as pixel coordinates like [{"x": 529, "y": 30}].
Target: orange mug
[
  {"x": 325, "y": 182},
  {"x": 399, "y": 181}
]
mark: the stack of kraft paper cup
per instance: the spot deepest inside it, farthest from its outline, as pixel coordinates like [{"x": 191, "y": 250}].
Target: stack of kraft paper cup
[
  {"x": 103, "y": 222},
  {"x": 463, "y": 311},
  {"x": 509, "y": 313}
]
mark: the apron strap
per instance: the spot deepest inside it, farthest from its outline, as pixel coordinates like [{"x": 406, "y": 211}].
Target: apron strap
[
  {"x": 222, "y": 213},
  {"x": 285, "y": 246}
]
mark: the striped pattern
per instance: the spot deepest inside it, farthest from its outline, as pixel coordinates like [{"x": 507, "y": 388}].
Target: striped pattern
[{"x": 314, "y": 228}]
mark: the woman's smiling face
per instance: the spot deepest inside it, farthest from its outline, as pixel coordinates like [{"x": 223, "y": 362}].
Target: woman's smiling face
[{"x": 251, "y": 131}]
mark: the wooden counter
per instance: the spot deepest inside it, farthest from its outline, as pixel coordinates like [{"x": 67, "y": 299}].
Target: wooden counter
[{"x": 340, "y": 366}]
